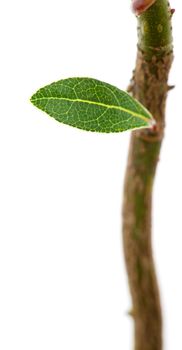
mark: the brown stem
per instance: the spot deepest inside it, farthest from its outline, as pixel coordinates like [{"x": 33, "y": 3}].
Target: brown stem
[{"x": 149, "y": 86}]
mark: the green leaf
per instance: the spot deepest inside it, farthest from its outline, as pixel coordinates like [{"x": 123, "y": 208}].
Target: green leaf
[{"x": 92, "y": 105}]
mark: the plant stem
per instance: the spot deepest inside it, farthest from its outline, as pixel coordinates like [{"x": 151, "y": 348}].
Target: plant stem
[{"x": 149, "y": 86}]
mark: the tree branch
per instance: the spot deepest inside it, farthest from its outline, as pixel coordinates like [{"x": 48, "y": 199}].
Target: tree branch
[{"x": 149, "y": 86}]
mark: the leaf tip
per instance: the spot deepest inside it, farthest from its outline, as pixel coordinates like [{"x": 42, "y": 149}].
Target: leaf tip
[{"x": 33, "y": 100}]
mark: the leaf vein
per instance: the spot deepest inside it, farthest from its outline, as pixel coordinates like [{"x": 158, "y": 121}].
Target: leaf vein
[{"x": 94, "y": 103}]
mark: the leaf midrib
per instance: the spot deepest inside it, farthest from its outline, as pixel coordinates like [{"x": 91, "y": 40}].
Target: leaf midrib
[{"x": 94, "y": 103}]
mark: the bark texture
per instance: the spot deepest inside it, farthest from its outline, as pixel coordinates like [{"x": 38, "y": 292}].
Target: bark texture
[{"x": 149, "y": 86}]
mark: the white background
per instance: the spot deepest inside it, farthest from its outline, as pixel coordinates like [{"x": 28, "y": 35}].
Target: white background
[{"x": 62, "y": 277}]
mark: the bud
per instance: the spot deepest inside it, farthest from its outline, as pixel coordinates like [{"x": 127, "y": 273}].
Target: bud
[{"x": 140, "y": 6}]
